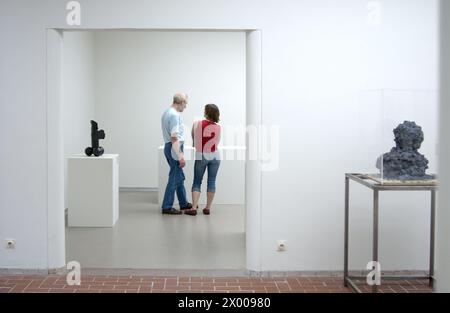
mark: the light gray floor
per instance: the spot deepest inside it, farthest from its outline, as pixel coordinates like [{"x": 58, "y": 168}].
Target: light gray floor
[{"x": 143, "y": 238}]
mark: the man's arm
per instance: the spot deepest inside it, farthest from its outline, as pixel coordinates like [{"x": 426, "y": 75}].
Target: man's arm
[{"x": 177, "y": 148}]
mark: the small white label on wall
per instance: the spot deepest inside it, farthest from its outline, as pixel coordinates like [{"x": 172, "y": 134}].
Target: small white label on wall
[{"x": 74, "y": 15}]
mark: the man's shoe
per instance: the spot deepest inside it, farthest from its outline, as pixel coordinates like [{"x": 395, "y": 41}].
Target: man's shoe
[
  {"x": 171, "y": 211},
  {"x": 187, "y": 207}
]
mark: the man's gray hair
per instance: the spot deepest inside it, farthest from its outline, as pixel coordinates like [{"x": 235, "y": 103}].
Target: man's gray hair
[{"x": 179, "y": 98}]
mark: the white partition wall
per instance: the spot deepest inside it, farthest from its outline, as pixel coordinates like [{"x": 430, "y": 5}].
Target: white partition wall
[
  {"x": 253, "y": 166},
  {"x": 137, "y": 73},
  {"x": 443, "y": 212},
  {"x": 78, "y": 93},
  {"x": 55, "y": 180}
]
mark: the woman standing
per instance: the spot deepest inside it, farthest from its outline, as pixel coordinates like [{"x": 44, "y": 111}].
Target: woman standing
[{"x": 206, "y": 137}]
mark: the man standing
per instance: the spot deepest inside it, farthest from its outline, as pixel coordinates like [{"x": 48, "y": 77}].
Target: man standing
[{"x": 173, "y": 134}]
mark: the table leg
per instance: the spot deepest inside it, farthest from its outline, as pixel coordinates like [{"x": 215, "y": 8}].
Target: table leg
[
  {"x": 432, "y": 235},
  {"x": 346, "y": 231},
  {"x": 375, "y": 232}
]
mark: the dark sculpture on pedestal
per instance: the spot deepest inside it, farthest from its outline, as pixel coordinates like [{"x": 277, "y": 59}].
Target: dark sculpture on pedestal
[
  {"x": 404, "y": 162},
  {"x": 96, "y": 135}
]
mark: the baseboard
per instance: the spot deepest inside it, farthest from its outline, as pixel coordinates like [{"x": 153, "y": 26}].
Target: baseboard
[
  {"x": 332, "y": 273},
  {"x": 21, "y": 271},
  {"x": 167, "y": 272},
  {"x": 139, "y": 189},
  {"x": 203, "y": 273}
]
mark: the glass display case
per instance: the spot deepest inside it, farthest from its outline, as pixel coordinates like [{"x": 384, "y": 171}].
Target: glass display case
[{"x": 398, "y": 130}]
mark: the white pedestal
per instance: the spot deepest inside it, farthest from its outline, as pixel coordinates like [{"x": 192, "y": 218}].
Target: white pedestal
[
  {"x": 93, "y": 190},
  {"x": 230, "y": 183}
]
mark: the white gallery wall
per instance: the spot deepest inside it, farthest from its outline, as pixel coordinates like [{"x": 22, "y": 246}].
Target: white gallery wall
[
  {"x": 317, "y": 55},
  {"x": 77, "y": 92},
  {"x": 136, "y": 75},
  {"x": 126, "y": 79}
]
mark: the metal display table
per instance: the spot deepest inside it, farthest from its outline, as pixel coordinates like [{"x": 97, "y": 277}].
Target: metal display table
[{"x": 377, "y": 186}]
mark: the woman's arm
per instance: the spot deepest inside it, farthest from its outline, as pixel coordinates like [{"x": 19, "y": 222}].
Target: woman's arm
[
  {"x": 219, "y": 134},
  {"x": 194, "y": 127}
]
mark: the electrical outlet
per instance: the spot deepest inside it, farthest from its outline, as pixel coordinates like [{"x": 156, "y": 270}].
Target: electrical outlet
[
  {"x": 10, "y": 243},
  {"x": 281, "y": 245}
]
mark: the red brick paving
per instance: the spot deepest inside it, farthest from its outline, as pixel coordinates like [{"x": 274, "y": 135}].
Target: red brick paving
[
  {"x": 399, "y": 286},
  {"x": 159, "y": 284}
]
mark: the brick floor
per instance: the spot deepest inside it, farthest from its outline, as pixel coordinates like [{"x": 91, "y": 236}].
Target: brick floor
[
  {"x": 159, "y": 284},
  {"x": 399, "y": 286}
]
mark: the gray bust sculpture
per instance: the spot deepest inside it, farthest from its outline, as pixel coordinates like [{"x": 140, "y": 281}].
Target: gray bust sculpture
[{"x": 404, "y": 162}]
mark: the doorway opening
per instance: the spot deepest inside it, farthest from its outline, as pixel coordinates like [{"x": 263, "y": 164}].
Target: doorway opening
[{"x": 124, "y": 79}]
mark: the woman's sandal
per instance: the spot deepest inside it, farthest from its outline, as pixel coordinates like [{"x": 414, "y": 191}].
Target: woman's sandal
[
  {"x": 192, "y": 212},
  {"x": 206, "y": 211}
]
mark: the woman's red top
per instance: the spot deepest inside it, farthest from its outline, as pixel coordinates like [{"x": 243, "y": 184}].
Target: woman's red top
[{"x": 206, "y": 136}]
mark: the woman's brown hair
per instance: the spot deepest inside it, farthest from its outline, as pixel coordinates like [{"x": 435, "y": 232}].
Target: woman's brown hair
[{"x": 212, "y": 112}]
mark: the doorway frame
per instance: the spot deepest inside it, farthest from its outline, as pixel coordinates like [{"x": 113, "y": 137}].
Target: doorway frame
[{"x": 56, "y": 247}]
